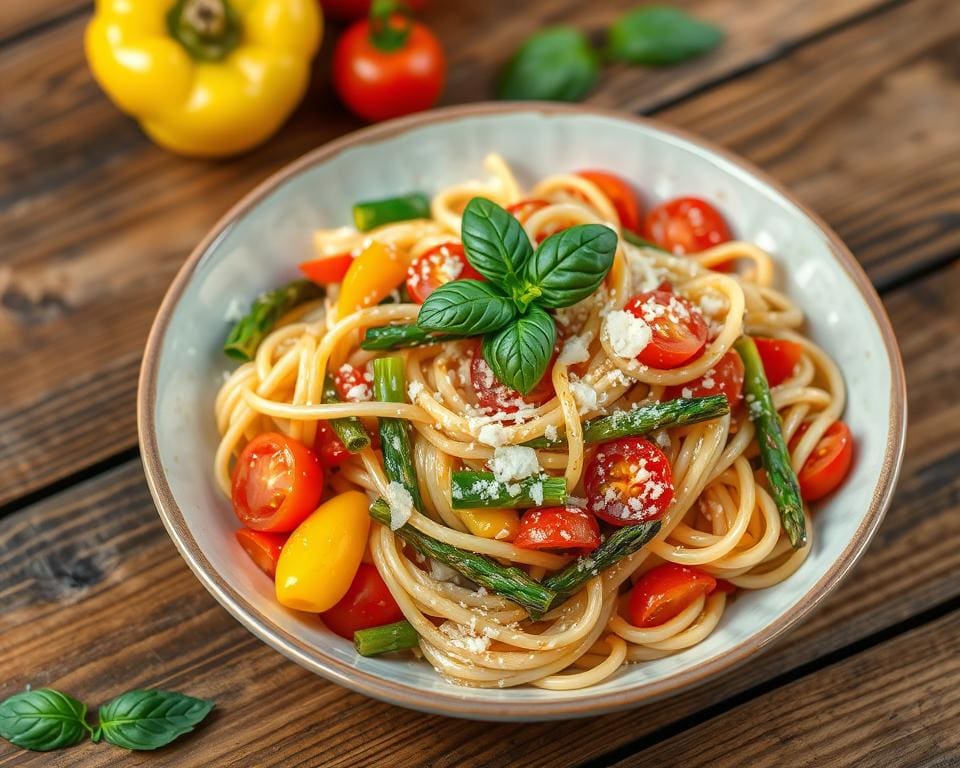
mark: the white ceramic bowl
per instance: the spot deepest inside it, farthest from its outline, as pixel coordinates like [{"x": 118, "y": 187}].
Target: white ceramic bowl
[{"x": 258, "y": 244}]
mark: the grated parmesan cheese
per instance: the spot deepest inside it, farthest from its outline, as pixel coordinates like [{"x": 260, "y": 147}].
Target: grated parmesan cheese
[
  {"x": 585, "y": 395},
  {"x": 401, "y": 505},
  {"x": 629, "y": 334},
  {"x": 513, "y": 462},
  {"x": 493, "y": 435},
  {"x": 575, "y": 350}
]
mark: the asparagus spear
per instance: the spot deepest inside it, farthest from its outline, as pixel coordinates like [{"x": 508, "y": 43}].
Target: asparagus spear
[
  {"x": 471, "y": 490},
  {"x": 388, "y": 638},
  {"x": 644, "y": 419},
  {"x": 376, "y": 213},
  {"x": 402, "y": 336},
  {"x": 350, "y": 431},
  {"x": 773, "y": 448},
  {"x": 389, "y": 380},
  {"x": 249, "y": 331},
  {"x": 635, "y": 239},
  {"x": 511, "y": 582}
]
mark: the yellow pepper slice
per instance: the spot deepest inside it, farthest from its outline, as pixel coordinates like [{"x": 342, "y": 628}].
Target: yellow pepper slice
[
  {"x": 371, "y": 277},
  {"x": 204, "y": 77},
  {"x": 499, "y": 524}
]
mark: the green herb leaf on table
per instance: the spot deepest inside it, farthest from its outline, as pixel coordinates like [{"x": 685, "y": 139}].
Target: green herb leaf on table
[
  {"x": 570, "y": 265},
  {"x": 494, "y": 241},
  {"x": 43, "y": 720},
  {"x": 144, "y": 720},
  {"x": 660, "y": 35},
  {"x": 466, "y": 306},
  {"x": 556, "y": 64},
  {"x": 519, "y": 354}
]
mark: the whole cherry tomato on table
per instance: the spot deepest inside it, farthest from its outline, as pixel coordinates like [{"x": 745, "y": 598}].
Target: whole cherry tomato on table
[
  {"x": 687, "y": 225},
  {"x": 354, "y": 10},
  {"x": 388, "y": 65},
  {"x": 665, "y": 591}
]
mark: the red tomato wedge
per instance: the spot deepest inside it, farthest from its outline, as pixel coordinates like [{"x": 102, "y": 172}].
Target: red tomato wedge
[
  {"x": 664, "y": 592},
  {"x": 439, "y": 265},
  {"x": 327, "y": 269},
  {"x": 679, "y": 332},
  {"x": 629, "y": 481},
  {"x": 263, "y": 548},
  {"x": 725, "y": 378},
  {"x": 523, "y": 209},
  {"x": 352, "y": 384},
  {"x": 829, "y": 464},
  {"x": 497, "y": 397},
  {"x": 621, "y": 195},
  {"x": 686, "y": 225},
  {"x": 558, "y": 528},
  {"x": 367, "y": 603},
  {"x": 277, "y": 482},
  {"x": 329, "y": 447},
  {"x": 779, "y": 357}
]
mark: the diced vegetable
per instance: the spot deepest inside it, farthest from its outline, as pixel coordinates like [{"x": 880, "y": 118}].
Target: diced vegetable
[
  {"x": 499, "y": 524},
  {"x": 470, "y": 489},
  {"x": 827, "y": 467},
  {"x": 376, "y": 272},
  {"x": 375, "y": 213},
  {"x": 351, "y": 432},
  {"x": 249, "y": 331},
  {"x": 558, "y": 528},
  {"x": 376, "y": 641},
  {"x": 665, "y": 591},
  {"x": 367, "y": 603},
  {"x": 780, "y": 358},
  {"x": 327, "y": 269},
  {"x": 263, "y": 548},
  {"x": 390, "y": 337},
  {"x": 389, "y": 385}
]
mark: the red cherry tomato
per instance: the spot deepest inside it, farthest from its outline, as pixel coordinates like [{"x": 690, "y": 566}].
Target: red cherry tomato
[
  {"x": 352, "y": 10},
  {"x": 725, "y": 587},
  {"x": 277, "y": 482},
  {"x": 352, "y": 384},
  {"x": 779, "y": 356},
  {"x": 496, "y": 397},
  {"x": 368, "y": 603},
  {"x": 621, "y": 194},
  {"x": 725, "y": 378},
  {"x": 558, "y": 528},
  {"x": 829, "y": 464},
  {"x": 629, "y": 481},
  {"x": 437, "y": 266},
  {"x": 523, "y": 209},
  {"x": 329, "y": 447},
  {"x": 327, "y": 269},
  {"x": 664, "y": 592},
  {"x": 263, "y": 548},
  {"x": 686, "y": 225},
  {"x": 679, "y": 332},
  {"x": 388, "y": 66}
]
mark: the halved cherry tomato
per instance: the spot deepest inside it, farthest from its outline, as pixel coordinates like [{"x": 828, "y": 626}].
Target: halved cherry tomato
[
  {"x": 724, "y": 586},
  {"x": 678, "y": 328},
  {"x": 629, "y": 481},
  {"x": 263, "y": 548},
  {"x": 780, "y": 358},
  {"x": 827, "y": 467},
  {"x": 368, "y": 603},
  {"x": 327, "y": 269},
  {"x": 371, "y": 278},
  {"x": 329, "y": 447},
  {"x": 437, "y": 266},
  {"x": 352, "y": 384},
  {"x": 277, "y": 482},
  {"x": 523, "y": 209},
  {"x": 686, "y": 225},
  {"x": 558, "y": 528},
  {"x": 665, "y": 591},
  {"x": 622, "y": 196},
  {"x": 725, "y": 378},
  {"x": 351, "y": 10},
  {"x": 497, "y": 397}
]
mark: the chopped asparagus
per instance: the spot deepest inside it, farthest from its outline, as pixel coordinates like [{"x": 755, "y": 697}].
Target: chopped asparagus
[
  {"x": 634, "y": 239},
  {"x": 375, "y": 213},
  {"x": 388, "y": 337},
  {"x": 389, "y": 385},
  {"x": 250, "y": 329},
  {"x": 351, "y": 432},
  {"x": 471, "y": 490},
  {"x": 388, "y": 638}
]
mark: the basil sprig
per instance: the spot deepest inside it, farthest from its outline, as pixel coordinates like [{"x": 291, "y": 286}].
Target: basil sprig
[
  {"x": 659, "y": 35},
  {"x": 510, "y": 310},
  {"x": 555, "y": 64}
]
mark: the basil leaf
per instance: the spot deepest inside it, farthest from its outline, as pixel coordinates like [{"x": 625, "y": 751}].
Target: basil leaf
[
  {"x": 556, "y": 64},
  {"x": 42, "y": 720},
  {"x": 466, "y": 306},
  {"x": 519, "y": 354},
  {"x": 660, "y": 35},
  {"x": 150, "y": 719},
  {"x": 569, "y": 265},
  {"x": 494, "y": 241}
]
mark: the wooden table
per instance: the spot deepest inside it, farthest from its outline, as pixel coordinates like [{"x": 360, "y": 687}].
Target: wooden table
[{"x": 855, "y": 104}]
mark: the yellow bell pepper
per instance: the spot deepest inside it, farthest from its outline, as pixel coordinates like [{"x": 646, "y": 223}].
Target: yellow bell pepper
[
  {"x": 499, "y": 524},
  {"x": 205, "y": 77},
  {"x": 371, "y": 277}
]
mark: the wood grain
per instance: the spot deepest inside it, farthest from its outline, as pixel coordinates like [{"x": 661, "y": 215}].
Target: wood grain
[{"x": 95, "y": 599}]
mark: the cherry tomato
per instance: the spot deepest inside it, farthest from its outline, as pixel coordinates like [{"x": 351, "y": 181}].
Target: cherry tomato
[
  {"x": 725, "y": 378},
  {"x": 368, "y": 603},
  {"x": 828, "y": 465},
  {"x": 437, "y": 266},
  {"x": 621, "y": 194},
  {"x": 327, "y": 269},
  {"x": 558, "y": 528},
  {"x": 329, "y": 447},
  {"x": 352, "y": 384},
  {"x": 388, "y": 66},
  {"x": 779, "y": 356},
  {"x": 686, "y": 225},
  {"x": 523, "y": 209},
  {"x": 352, "y": 10},
  {"x": 629, "y": 481},
  {"x": 725, "y": 587},
  {"x": 263, "y": 548},
  {"x": 664, "y": 592},
  {"x": 679, "y": 332},
  {"x": 496, "y": 397},
  {"x": 277, "y": 482}
]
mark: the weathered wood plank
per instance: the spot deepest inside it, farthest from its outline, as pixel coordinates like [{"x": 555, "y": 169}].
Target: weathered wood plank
[
  {"x": 17, "y": 19},
  {"x": 95, "y": 599}
]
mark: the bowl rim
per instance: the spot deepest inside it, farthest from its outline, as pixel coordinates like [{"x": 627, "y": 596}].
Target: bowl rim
[{"x": 458, "y": 703}]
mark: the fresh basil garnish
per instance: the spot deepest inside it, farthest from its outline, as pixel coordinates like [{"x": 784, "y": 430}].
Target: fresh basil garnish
[
  {"x": 43, "y": 720},
  {"x": 466, "y": 306},
  {"x": 660, "y": 35},
  {"x": 495, "y": 243},
  {"x": 149, "y": 719},
  {"x": 519, "y": 354},
  {"x": 556, "y": 64},
  {"x": 570, "y": 265}
]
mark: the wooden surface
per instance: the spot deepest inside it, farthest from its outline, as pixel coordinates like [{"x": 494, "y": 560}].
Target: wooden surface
[{"x": 855, "y": 104}]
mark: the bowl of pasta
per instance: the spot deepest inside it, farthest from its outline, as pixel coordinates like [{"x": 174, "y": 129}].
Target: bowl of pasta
[{"x": 520, "y": 411}]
